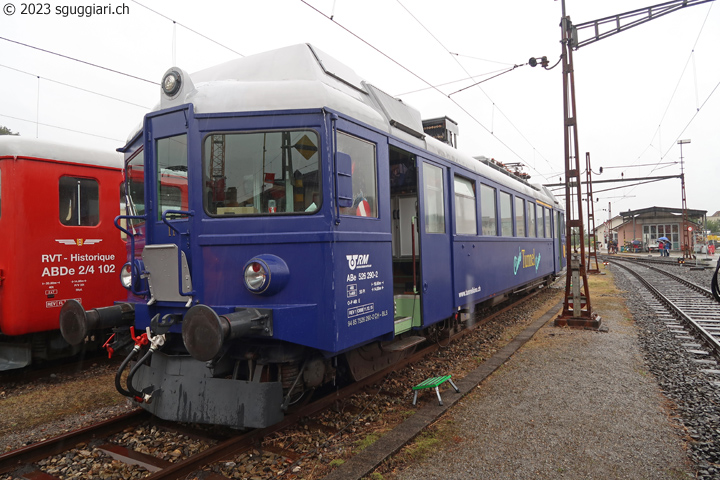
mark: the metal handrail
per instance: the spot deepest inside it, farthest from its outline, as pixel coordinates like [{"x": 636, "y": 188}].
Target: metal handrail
[{"x": 131, "y": 260}]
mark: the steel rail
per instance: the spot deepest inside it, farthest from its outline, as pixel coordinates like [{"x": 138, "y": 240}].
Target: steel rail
[
  {"x": 698, "y": 288},
  {"x": 711, "y": 341},
  {"x": 52, "y": 446}
]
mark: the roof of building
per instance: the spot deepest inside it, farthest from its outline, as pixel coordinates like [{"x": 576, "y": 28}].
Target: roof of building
[{"x": 656, "y": 210}]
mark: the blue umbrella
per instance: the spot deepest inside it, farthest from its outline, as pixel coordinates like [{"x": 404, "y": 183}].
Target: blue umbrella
[{"x": 664, "y": 239}]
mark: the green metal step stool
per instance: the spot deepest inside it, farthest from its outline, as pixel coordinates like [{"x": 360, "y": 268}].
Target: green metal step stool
[{"x": 433, "y": 382}]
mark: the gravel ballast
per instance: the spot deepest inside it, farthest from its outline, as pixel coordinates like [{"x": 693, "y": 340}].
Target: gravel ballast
[{"x": 570, "y": 404}]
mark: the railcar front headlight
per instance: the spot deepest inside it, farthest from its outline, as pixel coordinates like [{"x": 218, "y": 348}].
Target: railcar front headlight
[
  {"x": 131, "y": 276},
  {"x": 126, "y": 275},
  {"x": 256, "y": 277},
  {"x": 266, "y": 274}
]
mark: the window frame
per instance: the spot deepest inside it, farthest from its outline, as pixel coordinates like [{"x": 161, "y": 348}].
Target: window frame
[
  {"x": 487, "y": 189},
  {"x": 434, "y": 225},
  {"x": 159, "y": 193},
  {"x": 507, "y": 223},
  {"x": 75, "y": 211},
  {"x": 229, "y": 213},
  {"x": 372, "y": 202},
  {"x": 532, "y": 219},
  {"x": 465, "y": 200},
  {"x": 520, "y": 217}
]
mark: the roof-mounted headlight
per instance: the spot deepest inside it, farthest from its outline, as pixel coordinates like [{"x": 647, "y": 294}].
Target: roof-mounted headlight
[
  {"x": 175, "y": 87},
  {"x": 171, "y": 83}
]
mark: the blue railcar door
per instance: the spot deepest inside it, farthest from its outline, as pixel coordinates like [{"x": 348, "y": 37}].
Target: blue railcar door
[
  {"x": 435, "y": 254},
  {"x": 167, "y": 252},
  {"x": 560, "y": 253}
]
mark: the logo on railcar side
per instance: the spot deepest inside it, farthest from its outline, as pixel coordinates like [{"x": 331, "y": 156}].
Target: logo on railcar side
[
  {"x": 79, "y": 241},
  {"x": 526, "y": 260},
  {"x": 358, "y": 261}
]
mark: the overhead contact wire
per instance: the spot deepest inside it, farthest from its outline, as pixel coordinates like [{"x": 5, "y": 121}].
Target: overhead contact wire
[
  {"x": 79, "y": 61},
  {"x": 188, "y": 28},
  {"x": 495, "y": 106},
  {"x": 75, "y": 87},
  {"x": 414, "y": 75}
]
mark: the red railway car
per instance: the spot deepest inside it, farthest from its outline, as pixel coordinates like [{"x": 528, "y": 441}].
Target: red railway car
[{"x": 57, "y": 208}]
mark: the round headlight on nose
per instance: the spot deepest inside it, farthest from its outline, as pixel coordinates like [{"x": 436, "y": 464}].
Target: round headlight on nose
[
  {"x": 126, "y": 275},
  {"x": 266, "y": 274},
  {"x": 257, "y": 276}
]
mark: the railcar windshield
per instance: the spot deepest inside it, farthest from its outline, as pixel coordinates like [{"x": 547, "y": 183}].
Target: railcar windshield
[
  {"x": 135, "y": 190},
  {"x": 172, "y": 167},
  {"x": 261, "y": 173}
]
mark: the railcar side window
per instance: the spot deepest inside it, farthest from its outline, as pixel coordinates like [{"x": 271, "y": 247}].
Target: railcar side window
[
  {"x": 531, "y": 219},
  {"x": 544, "y": 222},
  {"x": 434, "y": 197},
  {"x": 364, "y": 175},
  {"x": 488, "y": 207},
  {"x": 506, "y": 220},
  {"x": 548, "y": 223},
  {"x": 172, "y": 186},
  {"x": 261, "y": 173},
  {"x": 520, "y": 216},
  {"x": 465, "y": 217},
  {"x": 79, "y": 202}
]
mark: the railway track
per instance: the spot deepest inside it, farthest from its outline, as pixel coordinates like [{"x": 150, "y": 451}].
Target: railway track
[
  {"x": 700, "y": 263},
  {"x": 102, "y": 448},
  {"x": 679, "y": 300}
]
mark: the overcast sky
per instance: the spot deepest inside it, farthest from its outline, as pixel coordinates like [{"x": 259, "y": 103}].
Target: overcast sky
[{"x": 637, "y": 92}]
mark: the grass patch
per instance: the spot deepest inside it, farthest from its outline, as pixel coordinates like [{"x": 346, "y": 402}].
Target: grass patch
[
  {"x": 604, "y": 295},
  {"x": 376, "y": 476},
  {"x": 603, "y": 285},
  {"x": 366, "y": 442},
  {"x": 423, "y": 446}
]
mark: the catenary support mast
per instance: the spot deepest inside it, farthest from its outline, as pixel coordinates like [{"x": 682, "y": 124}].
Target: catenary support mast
[{"x": 577, "y": 309}]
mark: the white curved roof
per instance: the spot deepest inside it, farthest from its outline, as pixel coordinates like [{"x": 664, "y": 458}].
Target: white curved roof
[
  {"x": 16, "y": 146},
  {"x": 303, "y": 77}
]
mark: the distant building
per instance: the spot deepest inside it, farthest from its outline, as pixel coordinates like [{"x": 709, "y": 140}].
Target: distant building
[
  {"x": 649, "y": 224},
  {"x": 715, "y": 216},
  {"x": 714, "y": 235},
  {"x": 607, "y": 231}
]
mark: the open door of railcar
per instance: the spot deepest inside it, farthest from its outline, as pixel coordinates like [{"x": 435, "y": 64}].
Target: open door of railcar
[
  {"x": 436, "y": 257},
  {"x": 405, "y": 239},
  {"x": 422, "y": 282}
]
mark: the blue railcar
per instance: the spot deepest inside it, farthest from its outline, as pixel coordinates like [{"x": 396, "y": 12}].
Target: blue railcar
[{"x": 293, "y": 224}]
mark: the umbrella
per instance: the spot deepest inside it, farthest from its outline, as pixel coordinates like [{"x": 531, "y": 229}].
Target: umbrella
[{"x": 664, "y": 239}]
